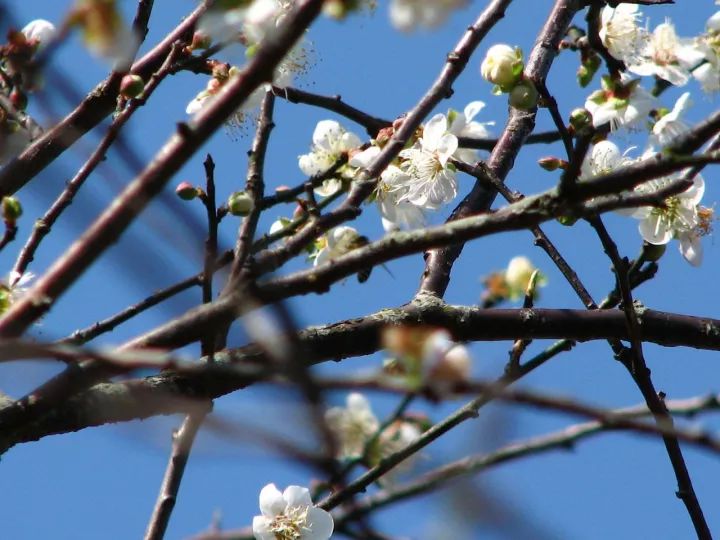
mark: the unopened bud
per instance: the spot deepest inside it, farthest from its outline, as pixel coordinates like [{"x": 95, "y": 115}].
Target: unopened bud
[
  {"x": 384, "y": 135},
  {"x": 335, "y": 9},
  {"x": 524, "y": 95},
  {"x": 131, "y": 86},
  {"x": 240, "y": 203},
  {"x": 580, "y": 120},
  {"x": 502, "y": 66},
  {"x": 200, "y": 41},
  {"x": 18, "y": 99},
  {"x": 587, "y": 70},
  {"x": 552, "y": 163},
  {"x": 11, "y": 209},
  {"x": 186, "y": 191}
]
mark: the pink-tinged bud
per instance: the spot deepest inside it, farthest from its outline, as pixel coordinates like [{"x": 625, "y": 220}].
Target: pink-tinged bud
[
  {"x": 552, "y": 163},
  {"x": 384, "y": 135},
  {"x": 281, "y": 188},
  {"x": 186, "y": 191},
  {"x": 299, "y": 211},
  {"x": 11, "y": 210},
  {"x": 18, "y": 99},
  {"x": 200, "y": 41},
  {"x": 240, "y": 203},
  {"x": 131, "y": 86}
]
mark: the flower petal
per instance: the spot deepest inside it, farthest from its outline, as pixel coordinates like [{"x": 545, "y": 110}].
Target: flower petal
[
  {"x": 321, "y": 524},
  {"x": 297, "y": 496},
  {"x": 271, "y": 501},
  {"x": 433, "y": 132}
]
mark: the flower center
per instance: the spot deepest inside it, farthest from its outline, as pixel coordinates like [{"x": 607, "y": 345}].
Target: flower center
[
  {"x": 291, "y": 524},
  {"x": 671, "y": 214}
]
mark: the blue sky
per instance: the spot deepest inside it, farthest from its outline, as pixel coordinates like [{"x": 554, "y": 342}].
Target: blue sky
[{"x": 102, "y": 482}]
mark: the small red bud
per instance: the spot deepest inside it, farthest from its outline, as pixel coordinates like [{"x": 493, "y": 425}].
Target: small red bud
[
  {"x": 131, "y": 86},
  {"x": 186, "y": 191}
]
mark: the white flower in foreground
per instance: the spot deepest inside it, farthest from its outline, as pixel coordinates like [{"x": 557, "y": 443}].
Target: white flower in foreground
[
  {"x": 671, "y": 125},
  {"x": 407, "y": 15},
  {"x": 39, "y": 32},
  {"x": 502, "y": 66},
  {"x": 464, "y": 125},
  {"x": 290, "y": 515},
  {"x": 222, "y": 25},
  {"x": 620, "y": 103},
  {"x": 338, "y": 242},
  {"x": 353, "y": 426},
  {"x": 331, "y": 142},
  {"x": 604, "y": 157},
  {"x": 105, "y": 32},
  {"x": 432, "y": 179},
  {"x": 678, "y": 218},
  {"x": 396, "y": 213},
  {"x": 666, "y": 55},
  {"x": 263, "y": 18},
  {"x": 620, "y": 32}
]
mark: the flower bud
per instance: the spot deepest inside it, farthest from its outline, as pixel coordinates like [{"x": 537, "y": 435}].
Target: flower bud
[
  {"x": 580, "y": 120},
  {"x": 552, "y": 163},
  {"x": 131, "y": 86},
  {"x": 18, "y": 99},
  {"x": 200, "y": 41},
  {"x": 524, "y": 95},
  {"x": 11, "y": 210},
  {"x": 186, "y": 191},
  {"x": 240, "y": 203},
  {"x": 502, "y": 66},
  {"x": 587, "y": 70}
]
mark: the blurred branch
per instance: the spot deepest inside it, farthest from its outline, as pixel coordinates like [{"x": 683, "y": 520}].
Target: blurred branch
[{"x": 565, "y": 439}]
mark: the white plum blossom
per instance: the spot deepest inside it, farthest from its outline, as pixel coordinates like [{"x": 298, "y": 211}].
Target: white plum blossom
[
  {"x": 502, "y": 65},
  {"x": 666, "y": 55},
  {"x": 671, "y": 125},
  {"x": 290, "y": 515},
  {"x": 518, "y": 274},
  {"x": 39, "y": 31},
  {"x": 708, "y": 74},
  {"x": 445, "y": 363},
  {"x": 398, "y": 436},
  {"x": 432, "y": 180},
  {"x": 263, "y": 18},
  {"x": 680, "y": 217},
  {"x": 396, "y": 213},
  {"x": 353, "y": 426},
  {"x": 408, "y": 15},
  {"x": 604, "y": 157},
  {"x": 338, "y": 242},
  {"x": 620, "y": 32},
  {"x": 620, "y": 103},
  {"x": 464, "y": 125},
  {"x": 331, "y": 142}
]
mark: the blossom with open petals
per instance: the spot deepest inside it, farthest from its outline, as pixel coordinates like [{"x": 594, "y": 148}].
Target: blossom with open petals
[
  {"x": 621, "y": 103},
  {"x": 464, "y": 125},
  {"x": 666, "y": 55},
  {"x": 395, "y": 212},
  {"x": 671, "y": 125},
  {"x": 408, "y": 15},
  {"x": 432, "y": 180},
  {"x": 679, "y": 217},
  {"x": 353, "y": 425},
  {"x": 290, "y": 515},
  {"x": 621, "y": 32},
  {"x": 604, "y": 157},
  {"x": 331, "y": 142},
  {"x": 338, "y": 242}
]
